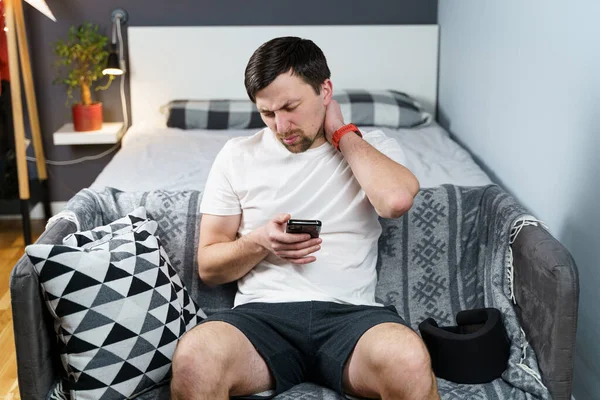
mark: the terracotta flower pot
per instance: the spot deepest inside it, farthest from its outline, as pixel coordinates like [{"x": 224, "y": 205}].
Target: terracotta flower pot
[{"x": 87, "y": 118}]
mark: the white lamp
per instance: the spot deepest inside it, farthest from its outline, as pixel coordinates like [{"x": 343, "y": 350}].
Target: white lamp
[
  {"x": 42, "y": 7},
  {"x": 116, "y": 64}
]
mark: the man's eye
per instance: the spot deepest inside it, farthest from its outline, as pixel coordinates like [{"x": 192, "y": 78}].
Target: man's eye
[{"x": 268, "y": 114}]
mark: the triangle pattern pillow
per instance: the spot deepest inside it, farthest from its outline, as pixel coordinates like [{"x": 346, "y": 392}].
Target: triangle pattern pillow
[
  {"x": 119, "y": 309},
  {"x": 106, "y": 232}
]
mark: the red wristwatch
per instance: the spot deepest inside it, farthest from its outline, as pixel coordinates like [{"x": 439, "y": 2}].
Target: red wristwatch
[{"x": 337, "y": 135}]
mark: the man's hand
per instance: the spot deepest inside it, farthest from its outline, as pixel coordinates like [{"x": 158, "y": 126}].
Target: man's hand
[
  {"x": 334, "y": 119},
  {"x": 293, "y": 247}
]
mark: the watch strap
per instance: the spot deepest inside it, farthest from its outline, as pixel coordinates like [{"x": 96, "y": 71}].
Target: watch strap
[{"x": 337, "y": 135}]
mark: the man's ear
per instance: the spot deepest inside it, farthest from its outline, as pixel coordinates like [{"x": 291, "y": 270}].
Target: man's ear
[{"x": 326, "y": 91}]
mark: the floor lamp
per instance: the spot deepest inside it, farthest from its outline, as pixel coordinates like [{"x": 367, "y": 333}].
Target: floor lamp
[{"x": 18, "y": 49}]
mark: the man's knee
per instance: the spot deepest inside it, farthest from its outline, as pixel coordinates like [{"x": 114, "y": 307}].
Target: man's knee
[
  {"x": 405, "y": 365},
  {"x": 403, "y": 353},
  {"x": 201, "y": 357}
]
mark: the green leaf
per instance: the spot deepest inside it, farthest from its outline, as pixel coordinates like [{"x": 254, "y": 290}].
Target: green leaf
[{"x": 81, "y": 57}]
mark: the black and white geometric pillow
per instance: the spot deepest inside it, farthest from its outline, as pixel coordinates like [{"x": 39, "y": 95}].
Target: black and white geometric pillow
[
  {"x": 105, "y": 232},
  {"x": 119, "y": 310},
  {"x": 130, "y": 222}
]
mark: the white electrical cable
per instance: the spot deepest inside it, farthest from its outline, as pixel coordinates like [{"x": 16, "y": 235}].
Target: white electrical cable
[
  {"x": 122, "y": 65},
  {"x": 77, "y": 160},
  {"x": 123, "y": 106}
]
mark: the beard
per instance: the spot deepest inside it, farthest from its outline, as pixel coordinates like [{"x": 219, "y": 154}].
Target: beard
[{"x": 303, "y": 142}]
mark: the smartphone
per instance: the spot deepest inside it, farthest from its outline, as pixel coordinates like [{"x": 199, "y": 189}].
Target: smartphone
[{"x": 310, "y": 226}]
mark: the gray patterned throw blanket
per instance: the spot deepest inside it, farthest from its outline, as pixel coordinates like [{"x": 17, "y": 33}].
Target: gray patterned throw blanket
[{"x": 451, "y": 252}]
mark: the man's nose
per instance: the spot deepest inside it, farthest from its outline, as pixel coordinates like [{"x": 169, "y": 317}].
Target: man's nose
[{"x": 282, "y": 123}]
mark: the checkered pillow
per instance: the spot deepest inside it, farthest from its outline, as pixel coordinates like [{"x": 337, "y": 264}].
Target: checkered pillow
[
  {"x": 213, "y": 114},
  {"x": 119, "y": 309},
  {"x": 388, "y": 108}
]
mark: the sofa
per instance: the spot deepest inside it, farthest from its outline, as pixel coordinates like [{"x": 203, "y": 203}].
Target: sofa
[{"x": 457, "y": 248}]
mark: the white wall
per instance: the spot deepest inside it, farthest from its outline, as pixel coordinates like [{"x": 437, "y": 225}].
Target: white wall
[{"x": 520, "y": 87}]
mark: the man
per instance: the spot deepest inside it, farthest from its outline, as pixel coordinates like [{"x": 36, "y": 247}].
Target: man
[{"x": 305, "y": 308}]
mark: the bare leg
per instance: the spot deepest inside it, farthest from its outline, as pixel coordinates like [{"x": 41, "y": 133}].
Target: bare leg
[
  {"x": 391, "y": 362},
  {"x": 214, "y": 361}
]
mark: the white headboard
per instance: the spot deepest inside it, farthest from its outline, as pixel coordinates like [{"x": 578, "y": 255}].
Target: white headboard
[{"x": 167, "y": 63}]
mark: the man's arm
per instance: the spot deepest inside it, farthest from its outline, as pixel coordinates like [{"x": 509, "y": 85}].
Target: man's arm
[
  {"x": 222, "y": 257},
  {"x": 389, "y": 186}
]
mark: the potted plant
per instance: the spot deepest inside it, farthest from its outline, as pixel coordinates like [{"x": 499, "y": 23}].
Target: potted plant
[{"x": 81, "y": 59}]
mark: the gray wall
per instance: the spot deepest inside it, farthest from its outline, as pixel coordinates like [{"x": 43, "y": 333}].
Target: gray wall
[
  {"x": 520, "y": 87},
  {"x": 65, "y": 181}
]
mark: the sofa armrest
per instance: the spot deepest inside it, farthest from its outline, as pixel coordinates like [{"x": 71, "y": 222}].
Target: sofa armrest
[
  {"x": 38, "y": 360},
  {"x": 547, "y": 294}
]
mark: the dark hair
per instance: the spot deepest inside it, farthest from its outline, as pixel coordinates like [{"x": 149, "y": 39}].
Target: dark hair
[{"x": 278, "y": 56}]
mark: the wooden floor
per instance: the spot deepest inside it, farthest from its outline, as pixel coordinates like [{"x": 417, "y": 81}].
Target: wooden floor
[{"x": 11, "y": 249}]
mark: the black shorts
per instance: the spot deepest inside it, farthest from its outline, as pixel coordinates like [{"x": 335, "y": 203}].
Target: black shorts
[{"x": 306, "y": 341}]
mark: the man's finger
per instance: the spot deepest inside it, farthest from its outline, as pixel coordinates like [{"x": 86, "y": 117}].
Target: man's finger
[
  {"x": 282, "y": 218},
  {"x": 295, "y": 254},
  {"x": 280, "y": 246},
  {"x": 281, "y": 239},
  {"x": 292, "y": 237},
  {"x": 296, "y": 246},
  {"x": 304, "y": 260}
]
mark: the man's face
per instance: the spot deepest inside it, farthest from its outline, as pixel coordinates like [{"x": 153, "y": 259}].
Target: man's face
[{"x": 294, "y": 112}]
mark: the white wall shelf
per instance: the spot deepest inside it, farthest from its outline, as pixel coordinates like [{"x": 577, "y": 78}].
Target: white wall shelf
[{"x": 110, "y": 133}]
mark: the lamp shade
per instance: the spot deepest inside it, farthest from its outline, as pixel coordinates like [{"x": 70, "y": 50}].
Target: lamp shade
[
  {"x": 112, "y": 65},
  {"x": 42, "y": 7}
]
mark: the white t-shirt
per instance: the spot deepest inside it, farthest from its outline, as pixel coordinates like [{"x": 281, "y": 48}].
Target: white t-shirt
[{"x": 259, "y": 178}]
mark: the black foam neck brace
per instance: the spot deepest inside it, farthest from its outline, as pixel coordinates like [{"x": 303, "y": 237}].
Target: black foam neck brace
[{"x": 474, "y": 351}]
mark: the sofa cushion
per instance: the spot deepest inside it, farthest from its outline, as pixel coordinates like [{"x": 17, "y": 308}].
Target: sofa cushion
[{"x": 119, "y": 309}]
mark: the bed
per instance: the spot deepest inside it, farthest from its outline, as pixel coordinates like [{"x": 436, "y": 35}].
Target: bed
[
  {"x": 176, "y": 159},
  {"x": 157, "y": 157}
]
